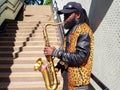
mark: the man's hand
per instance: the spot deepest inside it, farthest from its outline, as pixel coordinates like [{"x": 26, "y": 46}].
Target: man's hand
[
  {"x": 48, "y": 50},
  {"x": 56, "y": 70}
]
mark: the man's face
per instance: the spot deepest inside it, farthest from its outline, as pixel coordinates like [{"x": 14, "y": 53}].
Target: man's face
[
  {"x": 70, "y": 20},
  {"x": 66, "y": 16},
  {"x": 69, "y": 16}
]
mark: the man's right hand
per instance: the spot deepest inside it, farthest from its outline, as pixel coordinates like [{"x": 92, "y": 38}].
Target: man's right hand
[{"x": 56, "y": 70}]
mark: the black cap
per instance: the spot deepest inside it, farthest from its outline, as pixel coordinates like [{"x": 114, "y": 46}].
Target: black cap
[{"x": 71, "y": 7}]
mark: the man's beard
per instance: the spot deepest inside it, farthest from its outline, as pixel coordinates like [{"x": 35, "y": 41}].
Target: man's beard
[{"x": 70, "y": 24}]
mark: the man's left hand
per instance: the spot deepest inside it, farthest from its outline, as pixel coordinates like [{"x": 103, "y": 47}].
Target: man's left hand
[{"x": 48, "y": 50}]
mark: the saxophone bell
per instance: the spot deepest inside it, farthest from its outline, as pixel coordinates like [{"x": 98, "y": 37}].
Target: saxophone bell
[{"x": 38, "y": 64}]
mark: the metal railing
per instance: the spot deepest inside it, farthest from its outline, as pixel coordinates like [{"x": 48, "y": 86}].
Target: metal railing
[
  {"x": 58, "y": 19},
  {"x": 98, "y": 82}
]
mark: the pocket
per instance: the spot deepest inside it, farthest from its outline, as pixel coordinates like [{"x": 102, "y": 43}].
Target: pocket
[
  {"x": 74, "y": 77},
  {"x": 80, "y": 74}
]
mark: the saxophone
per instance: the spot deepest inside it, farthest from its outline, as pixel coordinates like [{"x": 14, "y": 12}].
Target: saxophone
[{"x": 48, "y": 71}]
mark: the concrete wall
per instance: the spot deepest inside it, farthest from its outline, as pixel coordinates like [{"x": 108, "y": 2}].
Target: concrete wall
[
  {"x": 97, "y": 12},
  {"x": 9, "y": 14},
  {"x": 104, "y": 16},
  {"x": 106, "y": 64}
]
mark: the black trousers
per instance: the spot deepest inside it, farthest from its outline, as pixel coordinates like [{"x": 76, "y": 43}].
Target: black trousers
[{"x": 82, "y": 88}]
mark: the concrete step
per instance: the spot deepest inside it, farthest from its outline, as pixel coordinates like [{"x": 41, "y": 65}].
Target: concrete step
[
  {"x": 24, "y": 43},
  {"x": 21, "y": 45},
  {"x": 49, "y": 19},
  {"x": 29, "y": 30},
  {"x": 15, "y": 54},
  {"x": 38, "y": 16},
  {"x": 21, "y": 54},
  {"x": 35, "y": 74},
  {"x": 19, "y": 48},
  {"x": 19, "y": 60},
  {"x": 3, "y": 39},
  {"x": 24, "y": 60},
  {"x": 20, "y": 31},
  {"x": 12, "y": 28},
  {"x": 15, "y": 35},
  {"x": 22, "y": 23},
  {"x": 37, "y": 85},
  {"x": 20, "y": 27},
  {"x": 17, "y": 67},
  {"x": 41, "y": 10},
  {"x": 24, "y": 34},
  {"x": 23, "y": 76}
]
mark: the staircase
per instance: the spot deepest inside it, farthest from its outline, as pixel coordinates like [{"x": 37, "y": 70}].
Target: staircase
[{"x": 21, "y": 45}]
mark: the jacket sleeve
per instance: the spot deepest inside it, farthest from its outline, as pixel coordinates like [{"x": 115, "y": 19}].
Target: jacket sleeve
[{"x": 81, "y": 53}]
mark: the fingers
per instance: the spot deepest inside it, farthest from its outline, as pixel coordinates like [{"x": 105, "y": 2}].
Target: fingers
[
  {"x": 56, "y": 70},
  {"x": 45, "y": 52},
  {"x": 53, "y": 47},
  {"x": 48, "y": 50}
]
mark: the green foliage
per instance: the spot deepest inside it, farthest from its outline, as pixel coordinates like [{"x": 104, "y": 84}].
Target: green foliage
[{"x": 48, "y": 2}]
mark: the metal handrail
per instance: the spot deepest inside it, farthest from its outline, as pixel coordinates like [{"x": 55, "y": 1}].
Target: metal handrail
[
  {"x": 99, "y": 83},
  {"x": 24, "y": 4},
  {"x": 7, "y": 7},
  {"x": 58, "y": 16},
  {"x": 55, "y": 9}
]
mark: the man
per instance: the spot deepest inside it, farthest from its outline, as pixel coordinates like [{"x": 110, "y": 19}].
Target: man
[{"x": 77, "y": 54}]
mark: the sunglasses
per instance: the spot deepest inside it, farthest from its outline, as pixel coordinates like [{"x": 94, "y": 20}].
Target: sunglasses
[{"x": 67, "y": 15}]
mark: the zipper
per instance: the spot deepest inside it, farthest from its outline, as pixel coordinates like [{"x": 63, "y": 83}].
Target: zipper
[{"x": 80, "y": 74}]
